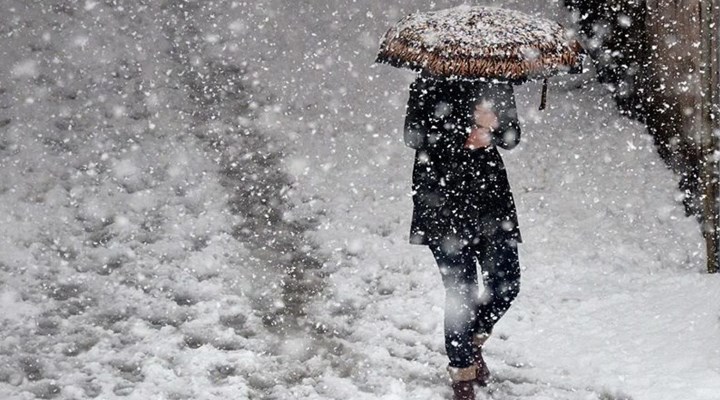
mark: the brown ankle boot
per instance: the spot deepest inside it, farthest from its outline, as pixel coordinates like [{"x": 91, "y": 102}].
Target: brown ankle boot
[
  {"x": 483, "y": 373},
  {"x": 462, "y": 382},
  {"x": 463, "y": 390}
]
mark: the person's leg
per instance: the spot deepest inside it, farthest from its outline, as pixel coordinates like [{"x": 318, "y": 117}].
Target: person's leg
[
  {"x": 459, "y": 275},
  {"x": 501, "y": 276}
]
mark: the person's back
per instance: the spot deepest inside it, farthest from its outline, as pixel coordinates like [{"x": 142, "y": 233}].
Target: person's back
[{"x": 471, "y": 180}]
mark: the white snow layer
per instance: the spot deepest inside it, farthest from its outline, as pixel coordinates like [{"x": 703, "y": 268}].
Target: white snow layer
[
  {"x": 121, "y": 275},
  {"x": 501, "y": 29}
]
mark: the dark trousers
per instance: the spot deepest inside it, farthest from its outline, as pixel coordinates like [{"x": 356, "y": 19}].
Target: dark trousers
[{"x": 466, "y": 312}]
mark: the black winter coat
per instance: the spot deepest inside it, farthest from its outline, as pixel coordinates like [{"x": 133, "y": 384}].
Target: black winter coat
[{"x": 459, "y": 195}]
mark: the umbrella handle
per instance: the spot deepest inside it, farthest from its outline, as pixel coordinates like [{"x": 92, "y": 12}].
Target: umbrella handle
[{"x": 543, "y": 96}]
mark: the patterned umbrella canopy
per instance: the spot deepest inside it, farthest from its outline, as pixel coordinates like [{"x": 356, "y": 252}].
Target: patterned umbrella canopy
[{"x": 481, "y": 42}]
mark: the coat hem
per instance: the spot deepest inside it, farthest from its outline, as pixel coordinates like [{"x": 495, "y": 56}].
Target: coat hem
[{"x": 422, "y": 240}]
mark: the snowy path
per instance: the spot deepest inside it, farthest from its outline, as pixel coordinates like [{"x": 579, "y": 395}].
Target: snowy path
[
  {"x": 122, "y": 273},
  {"x": 613, "y": 304}
]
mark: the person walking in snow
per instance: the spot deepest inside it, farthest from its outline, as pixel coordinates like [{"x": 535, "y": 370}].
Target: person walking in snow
[{"x": 464, "y": 209}]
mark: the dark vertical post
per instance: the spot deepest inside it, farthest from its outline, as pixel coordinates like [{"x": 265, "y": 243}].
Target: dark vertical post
[{"x": 709, "y": 122}]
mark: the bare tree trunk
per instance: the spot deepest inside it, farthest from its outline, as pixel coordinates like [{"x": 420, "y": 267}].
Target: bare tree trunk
[
  {"x": 708, "y": 121},
  {"x": 660, "y": 58}
]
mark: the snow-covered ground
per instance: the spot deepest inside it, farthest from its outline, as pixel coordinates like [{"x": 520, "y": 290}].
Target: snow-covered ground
[{"x": 125, "y": 271}]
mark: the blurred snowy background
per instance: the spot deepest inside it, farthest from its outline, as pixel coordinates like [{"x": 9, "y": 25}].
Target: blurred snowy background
[{"x": 211, "y": 200}]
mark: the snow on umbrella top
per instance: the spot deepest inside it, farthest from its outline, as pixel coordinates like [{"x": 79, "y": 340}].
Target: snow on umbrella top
[{"x": 480, "y": 42}]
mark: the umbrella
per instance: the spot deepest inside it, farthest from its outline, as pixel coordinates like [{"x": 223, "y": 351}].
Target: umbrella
[{"x": 481, "y": 42}]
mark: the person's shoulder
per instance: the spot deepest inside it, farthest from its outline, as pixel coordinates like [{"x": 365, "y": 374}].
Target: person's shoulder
[
  {"x": 497, "y": 90},
  {"x": 425, "y": 86}
]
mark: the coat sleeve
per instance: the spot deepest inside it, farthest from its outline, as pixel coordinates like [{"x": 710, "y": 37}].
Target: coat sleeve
[
  {"x": 507, "y": 133},
  {"x": 416, "y": 118}
]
